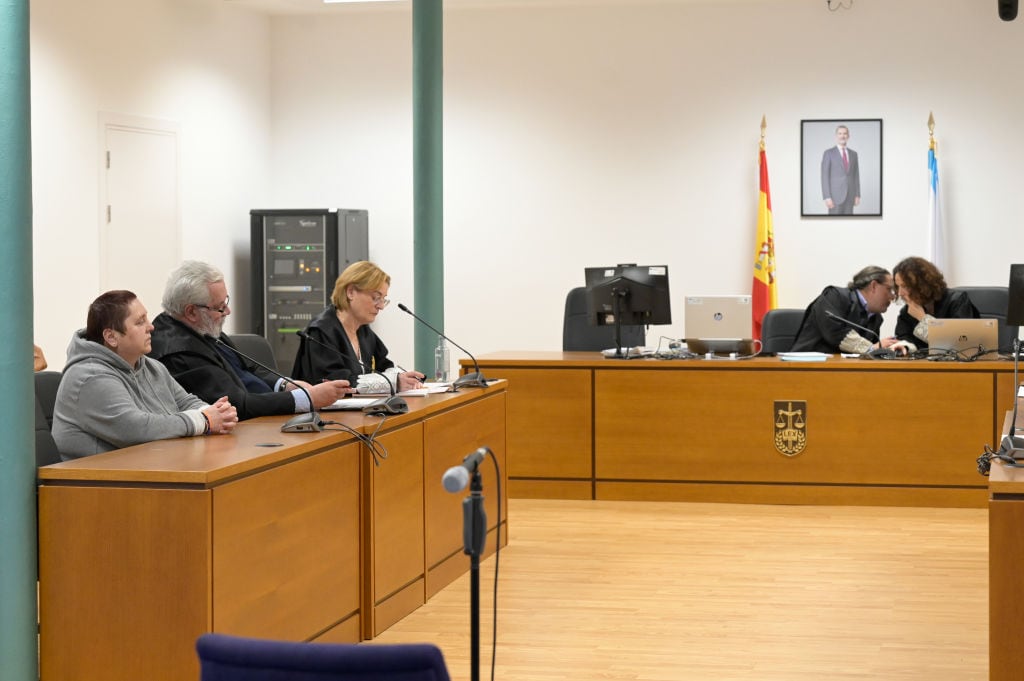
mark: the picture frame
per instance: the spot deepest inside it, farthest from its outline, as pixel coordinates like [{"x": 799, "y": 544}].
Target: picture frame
[{"x": 854, "y": 186}]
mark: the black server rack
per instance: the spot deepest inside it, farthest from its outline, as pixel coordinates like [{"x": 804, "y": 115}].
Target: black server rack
[{"x": 296, "y": 257}]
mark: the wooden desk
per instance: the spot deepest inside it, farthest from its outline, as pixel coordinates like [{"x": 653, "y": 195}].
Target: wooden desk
[
  {"x": 1006, "y": 559},
  {"x": 876, "y": 432},
  {"x": 295, "y": 536}
]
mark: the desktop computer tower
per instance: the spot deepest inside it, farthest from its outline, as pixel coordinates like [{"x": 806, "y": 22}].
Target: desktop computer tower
[{"x": 296, "y": 257}]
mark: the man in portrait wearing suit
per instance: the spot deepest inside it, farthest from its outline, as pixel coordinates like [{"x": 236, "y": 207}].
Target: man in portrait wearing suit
[{"x": 840, "y": 176}]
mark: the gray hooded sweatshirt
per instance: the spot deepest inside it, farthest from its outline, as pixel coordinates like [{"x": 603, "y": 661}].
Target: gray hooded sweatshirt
[{"x": 104, "y": 404}]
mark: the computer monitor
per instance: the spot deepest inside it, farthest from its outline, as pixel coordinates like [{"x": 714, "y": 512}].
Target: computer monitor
[
  {"x": 1015, "y": 308},
  {"x": 628, "y": 294}
]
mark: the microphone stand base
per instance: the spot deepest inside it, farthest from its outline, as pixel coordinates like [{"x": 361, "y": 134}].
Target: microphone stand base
[
  {"x": 387, "y": 405},
  {"x": 471, "y": 380},
  {"x": 303, "y": 423}
]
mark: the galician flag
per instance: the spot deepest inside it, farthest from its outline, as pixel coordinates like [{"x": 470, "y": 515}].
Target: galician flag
[
  {"x": 765, "y": 293},
  {"x": 936, "y": 239}
]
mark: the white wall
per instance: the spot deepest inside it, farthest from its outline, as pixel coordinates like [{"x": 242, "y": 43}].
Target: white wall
[
  {"x": 198, "y": 63},
  {"x": 579, "y": 134}
]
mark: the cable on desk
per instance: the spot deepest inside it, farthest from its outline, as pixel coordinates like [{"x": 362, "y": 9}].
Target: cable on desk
[{"x": 378, "y": 451}]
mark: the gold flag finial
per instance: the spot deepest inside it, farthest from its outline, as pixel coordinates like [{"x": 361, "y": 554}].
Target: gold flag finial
[
  {"x": 764, "y": 126},
  {"x": 931, "y": 131}
]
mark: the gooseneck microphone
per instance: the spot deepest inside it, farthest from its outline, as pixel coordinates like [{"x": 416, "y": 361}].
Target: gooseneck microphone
[
  {"x": 456, "y": 478},
  {"x": 301, "y": 423},
  {"x": 1015, "y": 442},
  {"x": 385, "y": 405},
  {"x": 474, "y": 379},
  {"x": 855, "y": 325}
]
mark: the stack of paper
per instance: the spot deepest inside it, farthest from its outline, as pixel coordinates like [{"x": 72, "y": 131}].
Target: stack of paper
[{"x": 803, "y": 356}]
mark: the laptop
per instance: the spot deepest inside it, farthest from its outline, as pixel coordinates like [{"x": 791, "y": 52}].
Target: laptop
[
  {"x": 969, "y": 337},
  {"x": 719, "y": 324}
]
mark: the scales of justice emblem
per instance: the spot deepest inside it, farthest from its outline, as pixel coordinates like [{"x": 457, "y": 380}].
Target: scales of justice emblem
[{"x": 790, "y": 426}]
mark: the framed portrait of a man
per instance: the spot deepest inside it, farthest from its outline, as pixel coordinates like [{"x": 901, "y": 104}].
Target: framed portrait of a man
[{"x": 841, "y": 167}]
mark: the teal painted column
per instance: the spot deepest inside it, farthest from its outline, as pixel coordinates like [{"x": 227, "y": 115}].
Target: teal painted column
[
  {"x": 17, "y": 406},
  {"x": 428, "y": 176}
]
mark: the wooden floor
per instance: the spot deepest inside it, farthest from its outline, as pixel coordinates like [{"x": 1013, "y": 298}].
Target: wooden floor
[{"x": 701, "y": 592}]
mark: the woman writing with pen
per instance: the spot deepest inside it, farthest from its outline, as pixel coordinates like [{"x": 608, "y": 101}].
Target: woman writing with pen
[{"x": 339, "y": 343}]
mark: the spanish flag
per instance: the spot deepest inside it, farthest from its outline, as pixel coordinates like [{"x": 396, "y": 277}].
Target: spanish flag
[{"x": 765, "y": 293}]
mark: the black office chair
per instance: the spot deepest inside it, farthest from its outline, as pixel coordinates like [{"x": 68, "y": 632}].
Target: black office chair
[
  {"x": 779, "y": 328},
  {"x": 579, "y": 334},
  {"x": 992, "y": 302},
  {"x": 46, "y": 383},
  {"x": 255, "y": 346}
]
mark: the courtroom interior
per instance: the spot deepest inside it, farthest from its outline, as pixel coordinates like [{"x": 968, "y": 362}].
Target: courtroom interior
[{"x": 669, "y": 511}]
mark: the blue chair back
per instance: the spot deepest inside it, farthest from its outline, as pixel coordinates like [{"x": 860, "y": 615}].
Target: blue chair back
[{"x": 235, "y": 658}]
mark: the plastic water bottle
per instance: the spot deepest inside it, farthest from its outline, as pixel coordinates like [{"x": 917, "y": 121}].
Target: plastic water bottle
[{"x": 442, "y": 361}]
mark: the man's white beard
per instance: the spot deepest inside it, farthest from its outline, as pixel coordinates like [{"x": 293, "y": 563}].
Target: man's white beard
[{"x": 210, "y": 327}]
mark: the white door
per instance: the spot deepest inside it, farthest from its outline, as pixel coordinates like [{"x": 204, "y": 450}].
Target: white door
[{"x": 139, "y": 212}]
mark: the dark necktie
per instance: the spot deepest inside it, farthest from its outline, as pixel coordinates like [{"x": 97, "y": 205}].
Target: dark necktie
[
  {"x": 253, "y": 383},
  {"x": 846, "y": 161}
]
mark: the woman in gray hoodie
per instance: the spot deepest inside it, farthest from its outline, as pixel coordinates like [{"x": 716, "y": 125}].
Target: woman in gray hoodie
[{"x": 111, "y": 395}]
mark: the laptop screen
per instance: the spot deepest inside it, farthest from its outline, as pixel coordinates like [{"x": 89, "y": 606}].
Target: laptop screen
[
  {"x": 966, "y": 336},
  {"x": 718, "y": 317}
]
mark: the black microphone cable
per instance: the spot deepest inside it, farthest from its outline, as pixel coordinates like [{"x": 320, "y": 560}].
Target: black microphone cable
[
  {"x": 985, "y": 460},
  {"x": 377, "y": 450}
]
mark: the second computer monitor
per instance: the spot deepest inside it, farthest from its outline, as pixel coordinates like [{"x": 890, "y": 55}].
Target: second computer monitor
[{"x": 628, "y": 294}]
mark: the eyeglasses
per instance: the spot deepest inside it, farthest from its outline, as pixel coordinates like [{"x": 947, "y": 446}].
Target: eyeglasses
[
  {"x": 378, "y": 299},
  {"x": 219, "y": 310}
]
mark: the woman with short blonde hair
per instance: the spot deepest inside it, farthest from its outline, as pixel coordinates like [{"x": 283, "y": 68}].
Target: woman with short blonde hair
[{"x": 339, "y": 343}]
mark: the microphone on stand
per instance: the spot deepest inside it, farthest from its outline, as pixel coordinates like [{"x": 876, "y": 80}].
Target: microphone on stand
[
  {"x": 855, "y": 325},
  {"x": 301, "y": 423},
  {"x": 385, "y": 405},
  {"x": 474, "y": 379},
  {"x": 1015, "y": 443},
  {"x": 456, "y": 478}
]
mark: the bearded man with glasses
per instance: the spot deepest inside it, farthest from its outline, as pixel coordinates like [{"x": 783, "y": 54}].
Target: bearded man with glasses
[
  {"x": 196, "y": 303},
  {"x": 827, "y": 327}
]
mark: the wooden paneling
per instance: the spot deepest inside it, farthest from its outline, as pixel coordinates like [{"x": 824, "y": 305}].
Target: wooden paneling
[
  {"x": 549, "y": 422},
  {"x": 1004, "y": 393},
  {"x": 348, "y": 631},
  {"x": 893, "y": 433},
  {"x": 1006, "y": 589},
  {"x": 396, "y": 501},
  {"x": 861, "y": 428},
  {"x": 448, "y": 438},
  {"x": 550, "y": 489},
  {"x": 764, "y": 493},
  {"x": 286, "y": 561},
  {"x": 151, "y": 550}
]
